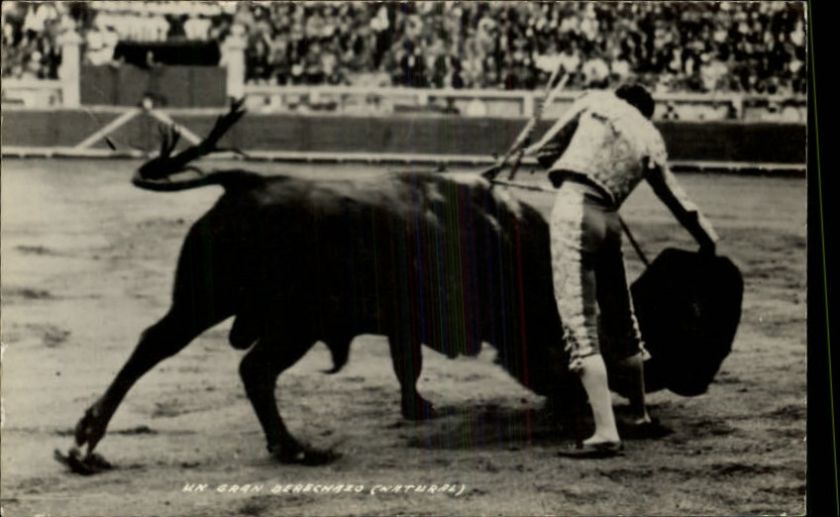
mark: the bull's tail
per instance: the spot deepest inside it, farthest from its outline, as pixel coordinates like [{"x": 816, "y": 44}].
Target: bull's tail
[
  {"x": 340, "y": 352},
  {"x": 230, "y": 180},
  {"x": 165, "y": 171}
]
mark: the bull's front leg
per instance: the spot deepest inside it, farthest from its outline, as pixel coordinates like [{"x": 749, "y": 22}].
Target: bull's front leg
[
  {"x": 408, "y": 362},
  {"x": 259, "y": 370}
]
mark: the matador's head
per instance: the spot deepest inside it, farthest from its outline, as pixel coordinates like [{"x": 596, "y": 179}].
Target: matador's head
[{"x": 638, "y": 96}]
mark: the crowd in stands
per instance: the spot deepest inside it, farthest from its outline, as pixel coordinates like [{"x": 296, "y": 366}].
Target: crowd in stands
[
  {"x": 30, "y": 39},
  {"x": 31, "y": 30},
  {"x": 689, "y": 46},
  {"x": 756, "y": 47}
]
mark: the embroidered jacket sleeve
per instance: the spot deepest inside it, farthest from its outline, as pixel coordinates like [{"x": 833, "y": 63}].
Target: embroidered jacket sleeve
[{"x": 668, "y": 189}]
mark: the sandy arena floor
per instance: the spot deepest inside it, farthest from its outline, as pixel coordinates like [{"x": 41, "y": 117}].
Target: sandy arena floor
[{"x": 87, "y": 264}]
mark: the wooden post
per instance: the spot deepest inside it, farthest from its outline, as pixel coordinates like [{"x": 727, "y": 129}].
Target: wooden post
[
  {"x": 528, "y": 104},
  {"x": 69, "y": 73},
  {"x": 233, "y": 59}
]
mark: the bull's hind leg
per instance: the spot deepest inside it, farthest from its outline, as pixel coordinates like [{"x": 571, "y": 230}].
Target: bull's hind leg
[
  {"x": 259, "y": 371},
  {"x": 408, "y": 362},
  {"x": 163, "y": 339}
]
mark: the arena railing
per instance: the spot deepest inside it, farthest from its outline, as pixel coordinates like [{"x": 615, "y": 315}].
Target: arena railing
[
  {"x": 32, "y": 92},
  {"x": 467, "y": 102},
  {"x": 510, "y": 103}
]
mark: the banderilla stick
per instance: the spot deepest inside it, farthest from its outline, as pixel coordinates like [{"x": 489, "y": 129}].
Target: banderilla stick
[{"x": 549, "y": 95}]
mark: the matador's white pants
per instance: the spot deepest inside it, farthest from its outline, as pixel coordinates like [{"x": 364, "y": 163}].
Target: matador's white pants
[{"x": 590, "y": 285}]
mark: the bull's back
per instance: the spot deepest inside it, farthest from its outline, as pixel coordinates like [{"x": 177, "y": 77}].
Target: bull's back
[{"x": 398, "y": 254}]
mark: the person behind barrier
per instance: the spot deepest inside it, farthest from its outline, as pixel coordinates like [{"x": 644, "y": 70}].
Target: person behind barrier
[{"x": 596, "y": 154}]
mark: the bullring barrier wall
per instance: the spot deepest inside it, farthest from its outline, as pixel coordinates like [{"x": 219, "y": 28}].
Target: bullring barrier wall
[{"x": 416, "y": 135}]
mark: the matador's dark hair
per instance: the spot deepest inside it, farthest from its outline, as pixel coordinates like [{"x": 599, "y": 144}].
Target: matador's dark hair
[{"x": 638, "y": 96}]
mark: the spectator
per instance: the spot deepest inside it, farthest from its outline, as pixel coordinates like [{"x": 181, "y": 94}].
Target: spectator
[
  {"x": 570, "y": 59},
  {"x": 712, "y": 73},
  {"x": 256, "y": 61},
  {"x": 29, "y": 46},
  {"x": 197, "y": 28},
  {"x": 176, "y": 26},
  {"x": 101, "y": 41},
  {"x": 596, "y": 72}
]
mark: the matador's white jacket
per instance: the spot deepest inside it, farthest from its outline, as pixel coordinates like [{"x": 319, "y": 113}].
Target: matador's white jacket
[{"x": 611, "y": 143}]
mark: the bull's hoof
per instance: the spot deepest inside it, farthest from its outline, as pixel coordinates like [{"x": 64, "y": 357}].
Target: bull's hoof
[
  {"x": 307, "y": 456},
  {"x": 418, "y": 409},
  {"x": 87, "y": 465},
  {"x": 91, "y": 428}
]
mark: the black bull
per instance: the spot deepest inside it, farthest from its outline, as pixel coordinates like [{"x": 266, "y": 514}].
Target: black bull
[{"x": 441, "y": 260}]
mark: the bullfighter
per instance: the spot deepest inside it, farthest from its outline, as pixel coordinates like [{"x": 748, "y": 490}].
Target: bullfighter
[{"x": 596, "y": 154}]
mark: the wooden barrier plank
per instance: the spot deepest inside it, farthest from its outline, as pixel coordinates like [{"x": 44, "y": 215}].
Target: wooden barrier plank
[{"x": 717, "y": 142}]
